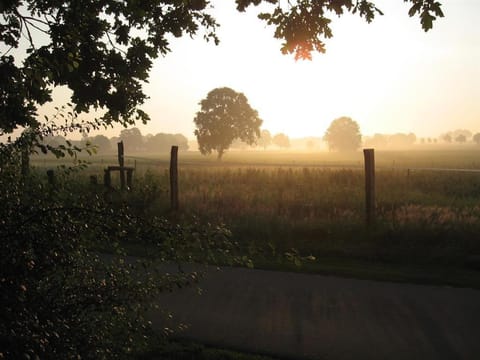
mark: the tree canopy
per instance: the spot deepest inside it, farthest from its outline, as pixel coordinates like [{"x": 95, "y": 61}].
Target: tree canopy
[
  {"x": 163, "y": 142},
  {"x": 476, "y": 138},
  {"x": 225, "y": 115},
  {"x": 103, "y": 50},
  {"x": 281, "y": 140},
  {"x": 265, "y": 139},
  {"x": 343, "y": 134},
  {"x": 392, "y": 141},
  {"x": 59, "y": 299},
  {"x": 304, "y": 25},
  {"x": 132, "y": 138}
]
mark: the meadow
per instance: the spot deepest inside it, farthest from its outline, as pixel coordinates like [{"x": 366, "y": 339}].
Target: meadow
[{"x": 274, "y": 202}]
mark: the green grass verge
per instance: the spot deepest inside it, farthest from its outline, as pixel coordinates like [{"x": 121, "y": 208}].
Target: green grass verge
[
  {"x": 368, "y": 270},
  {"x": 453, "y": 275}
]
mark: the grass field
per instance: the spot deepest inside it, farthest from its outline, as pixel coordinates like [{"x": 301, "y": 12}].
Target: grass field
[{"x": 314, "y": 202}]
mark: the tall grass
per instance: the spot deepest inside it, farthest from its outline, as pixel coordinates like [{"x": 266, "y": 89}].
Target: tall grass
[
  {"x": 421, "y": 215},
  {"x": 424, "y": 216}
]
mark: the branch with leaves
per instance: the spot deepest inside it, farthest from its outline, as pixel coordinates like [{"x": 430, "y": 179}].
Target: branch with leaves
[
  {"x": 304, "y": 25},
  {"x": 103, "y": 50}
]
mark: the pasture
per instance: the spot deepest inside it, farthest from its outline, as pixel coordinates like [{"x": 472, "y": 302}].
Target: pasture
[{"x": 314, "y": 202}]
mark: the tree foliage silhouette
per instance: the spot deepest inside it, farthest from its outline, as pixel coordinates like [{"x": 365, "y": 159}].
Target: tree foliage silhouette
[
  {"x": 304, "y": 25},
  {"x": 281, "y": 140},
  {"x": 225, "y": 115},
  {"x": 132, "y": 138},
  {"x": 265, "y": 139},
  {"x": 103, "y": 50},
  {"x": 58, "y": 300},
  {"x": 94, "y": 48},
  {"x": 476, "y": 138},
  {"x": 343, "y": 134},
  {"x": 461, "y": 138}
]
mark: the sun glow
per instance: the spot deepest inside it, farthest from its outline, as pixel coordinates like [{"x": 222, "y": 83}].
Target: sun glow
[{"x": 389, "y": 76}]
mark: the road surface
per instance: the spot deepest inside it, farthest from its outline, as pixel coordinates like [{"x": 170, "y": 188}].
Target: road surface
[{"x": 320, "y": 317}]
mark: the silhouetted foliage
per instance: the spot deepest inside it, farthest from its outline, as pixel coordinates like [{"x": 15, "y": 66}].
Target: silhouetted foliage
[
  {"x": 458, "y": 135},
  {"x": 132, "y": 139},
  {"x": 377, "y": 141},
  {"x": 98, "y": 52},
  {"x": 303, "y": 25},
  {"x": 476, "y": 138},
  {"x": 401, "y": 140},
  {"x": 281, "y": 140},
  {"x": 447, "y": 138},
  {"x": 58, "y": 300},
  {"x": 102, "y": 143},
  {"x": 59, "y": 297},
  {"x": 163, "y": 142},
  {"x": 93, "y": 48},
  {"x": 466, "y": 133},
  {"x": 343, "y": 134},
  {"x": 239, "y": 145},
  {"x": 461, "y": 138},
  {"x": 225, "y": 115},
  {"x": 265, "y": 139}
]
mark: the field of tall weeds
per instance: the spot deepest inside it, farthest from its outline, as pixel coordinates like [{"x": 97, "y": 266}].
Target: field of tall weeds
[{"x": 421, "y": 215}]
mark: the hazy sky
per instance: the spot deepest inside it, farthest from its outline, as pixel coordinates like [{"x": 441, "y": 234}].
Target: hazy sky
[{"x": 389, "y": 75}]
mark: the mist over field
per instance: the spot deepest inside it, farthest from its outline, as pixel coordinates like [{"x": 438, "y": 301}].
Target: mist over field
[
  {"x": 239, "y": 180},
  {"x": 136, "y": 142}
]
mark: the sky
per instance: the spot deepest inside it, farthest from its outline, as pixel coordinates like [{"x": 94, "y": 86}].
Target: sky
[{"x": 389, "y": 76}]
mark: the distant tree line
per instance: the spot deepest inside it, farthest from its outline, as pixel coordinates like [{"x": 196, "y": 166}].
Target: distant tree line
[
  {"x": 227, "y": 121},
  {"x": 460, "y": 136},
  {"x": 264, "y": 141},
  {"x": 133, "y": 141},
  {"x": 403, "y": 140},
  {"x": 396, "y": 141},
  {"x": 343, "y": 134}
]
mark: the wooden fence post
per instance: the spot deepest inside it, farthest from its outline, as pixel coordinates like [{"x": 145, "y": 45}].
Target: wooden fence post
[
  {"x": 174, "y": 178},
  {"x": 369, "y": 157},
  {"x": 121, "y": 163}
]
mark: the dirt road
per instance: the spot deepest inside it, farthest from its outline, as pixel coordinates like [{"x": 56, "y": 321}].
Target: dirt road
[{"x": 321, "y": 317}]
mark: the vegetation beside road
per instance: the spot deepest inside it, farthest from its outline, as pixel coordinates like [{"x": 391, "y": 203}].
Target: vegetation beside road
[{"x": 427, "y": 221}]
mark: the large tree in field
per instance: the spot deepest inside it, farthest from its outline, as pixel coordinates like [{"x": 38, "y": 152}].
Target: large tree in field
[
  {"x": 103, "y": 50},
  {"x": 57, "y": 299},
  {"x": 225, "y": 115},
  {"x": 343, "y": 134}
]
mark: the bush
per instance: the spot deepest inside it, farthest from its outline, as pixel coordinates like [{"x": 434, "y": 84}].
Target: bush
[{"x": 59, "y": 298}]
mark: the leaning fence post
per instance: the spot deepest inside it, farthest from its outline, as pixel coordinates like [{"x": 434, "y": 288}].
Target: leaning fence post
[
  {"x": 174, "y": 178},
  {"x": 369, "y": 157}
]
